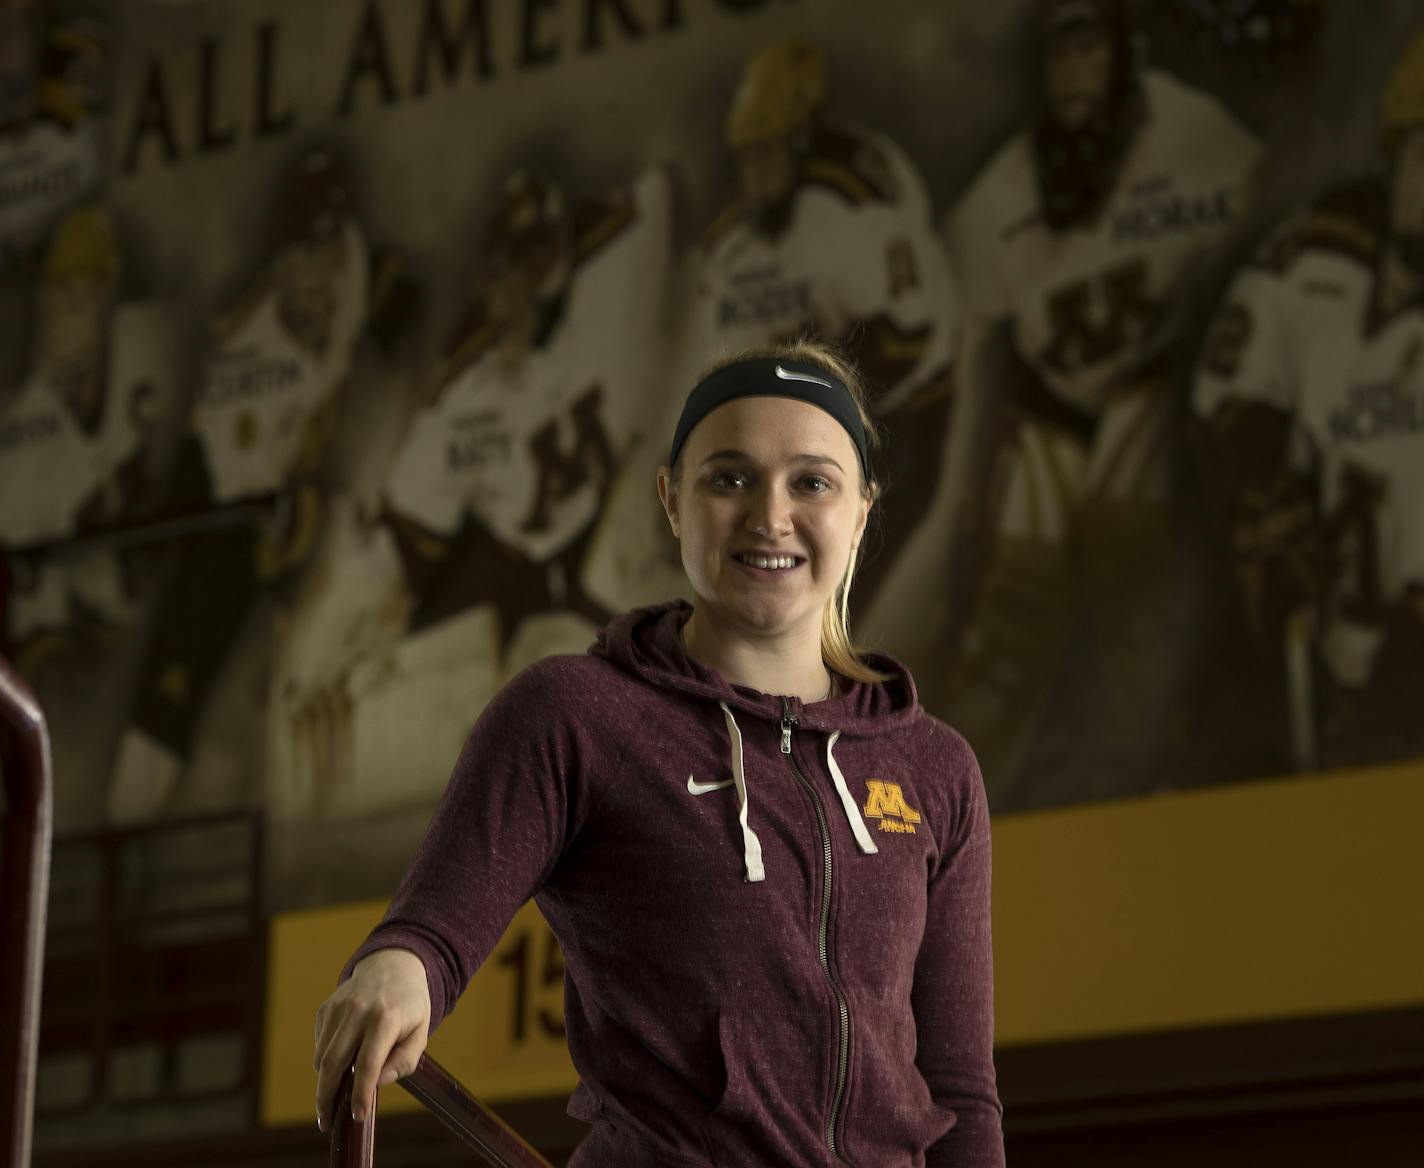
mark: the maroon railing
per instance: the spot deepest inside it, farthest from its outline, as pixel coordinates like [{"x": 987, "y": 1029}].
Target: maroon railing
[
  {"x": 353, "y": 1145},
  {"x": 25, "y": 813}
]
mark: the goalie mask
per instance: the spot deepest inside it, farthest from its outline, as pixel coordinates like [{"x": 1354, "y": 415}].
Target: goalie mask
[
  {"x": 313, "y": 209},
  {"x": 1091, "y": 105},
  {"x": 528, "y": 249}
]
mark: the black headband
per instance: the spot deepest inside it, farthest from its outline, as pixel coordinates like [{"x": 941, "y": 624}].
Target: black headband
[{"x": 774, "y": 377}]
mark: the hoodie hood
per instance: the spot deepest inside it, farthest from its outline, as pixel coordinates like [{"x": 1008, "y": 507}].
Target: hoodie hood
[{"x": 647, "y": 643}]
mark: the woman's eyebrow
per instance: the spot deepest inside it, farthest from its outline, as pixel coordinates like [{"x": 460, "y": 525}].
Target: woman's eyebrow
[
  {"x": 820, "y": 460},
  {"x": 742, "y": 455},
  {"x": 729, "y": 453}
]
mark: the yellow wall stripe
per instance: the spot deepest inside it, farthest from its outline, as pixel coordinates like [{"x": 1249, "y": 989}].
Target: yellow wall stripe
[
  {"x": 1277, "y": 899},
  {"x": 1274, "y": 899}
]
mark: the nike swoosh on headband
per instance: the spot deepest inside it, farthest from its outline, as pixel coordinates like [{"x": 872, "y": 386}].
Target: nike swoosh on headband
[
  {"x": 702, "y": 788},
  {"x": 786, "y": 375}
]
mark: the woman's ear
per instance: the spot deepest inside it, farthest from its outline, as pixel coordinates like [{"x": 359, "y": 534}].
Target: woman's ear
[
  {"x": 667, "y": 493},
  {"x": 867, "y": 501}
]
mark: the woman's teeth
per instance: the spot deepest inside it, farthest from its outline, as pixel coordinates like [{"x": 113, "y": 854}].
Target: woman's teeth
[{"x": 769, "y": 561}]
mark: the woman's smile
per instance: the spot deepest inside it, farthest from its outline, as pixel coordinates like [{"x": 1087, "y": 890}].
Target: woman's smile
[{"x": 768, "y": 565}]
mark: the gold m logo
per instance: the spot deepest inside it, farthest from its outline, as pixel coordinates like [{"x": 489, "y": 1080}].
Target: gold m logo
[{"x": 887, "y": 804}]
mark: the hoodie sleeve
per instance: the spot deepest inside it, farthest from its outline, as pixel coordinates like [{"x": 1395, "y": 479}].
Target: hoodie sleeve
[
  {"x": 953, "y": 994},
  {"x": 519, "y": 792}
]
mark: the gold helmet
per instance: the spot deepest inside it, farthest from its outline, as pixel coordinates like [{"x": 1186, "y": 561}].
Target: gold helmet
[
  {"x": 780, "y": 90},
  {"x": 84, "y": 245},
  {"x": 1404, "y": 99}
]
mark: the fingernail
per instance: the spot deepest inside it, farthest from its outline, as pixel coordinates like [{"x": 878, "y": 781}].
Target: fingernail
[{"x": 321, "y": 1127}]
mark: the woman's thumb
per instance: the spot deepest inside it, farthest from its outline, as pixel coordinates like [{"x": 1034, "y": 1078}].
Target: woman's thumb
[{"x": 403, "y": 1059}]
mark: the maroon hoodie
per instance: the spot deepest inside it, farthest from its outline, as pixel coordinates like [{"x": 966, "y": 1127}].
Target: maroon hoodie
[{"x": 774, "y": 916}]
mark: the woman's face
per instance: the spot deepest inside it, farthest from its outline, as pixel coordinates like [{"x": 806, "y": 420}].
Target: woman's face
[{"x": 767, "y": 509}]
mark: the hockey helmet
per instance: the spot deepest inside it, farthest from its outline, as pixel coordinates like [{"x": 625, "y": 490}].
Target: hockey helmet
[
  {"x": 75, "y": 64},
  {"x": 779, "y": 93},
  {"x": 531, "y": 231},
  {"x": 1404, "y": 99},
  {"x": 1057, "y": 15},
  {"x": 314, "y": 200},
  {"x": 20, "y": 25},
  {"x": 84, "y": 245}
]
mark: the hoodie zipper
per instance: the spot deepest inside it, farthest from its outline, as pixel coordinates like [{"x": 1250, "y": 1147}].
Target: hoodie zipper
[{"x": 789, "y": 723}]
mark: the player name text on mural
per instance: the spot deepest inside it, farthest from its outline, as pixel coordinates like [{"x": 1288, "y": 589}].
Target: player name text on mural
[
  {"x": 245, "y": 374},
  {"x": 1174, "y": 213}
]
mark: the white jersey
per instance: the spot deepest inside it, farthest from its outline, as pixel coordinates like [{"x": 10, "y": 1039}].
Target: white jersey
[
  {"x": 44, "y": 169},
  {"x": 50, "y": 465},
  {"x": 858, "y": 247},
  {"x": 530, "y": 453},
  {"x": 1302, "y": 330},
  {"x": 1091, "y": 303},
  {"x": 262, "y": 388}
]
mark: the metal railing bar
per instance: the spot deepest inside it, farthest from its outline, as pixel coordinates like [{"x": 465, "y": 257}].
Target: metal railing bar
[
  {"x": 27, "y": 825},
  {"x": 479, "y": 1128}
]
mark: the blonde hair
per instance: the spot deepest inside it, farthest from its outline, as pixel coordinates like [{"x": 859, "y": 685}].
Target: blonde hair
[{"x": 838, "y": 650}]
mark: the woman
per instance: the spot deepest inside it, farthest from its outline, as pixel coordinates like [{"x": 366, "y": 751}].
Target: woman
[{"x": 766, "y": 866}]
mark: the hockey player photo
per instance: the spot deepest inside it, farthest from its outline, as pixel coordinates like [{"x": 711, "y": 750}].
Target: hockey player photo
[
  {"x": 1078, "y": 247},
  {"x": 1311, "y": 394},
  {"x": 270, "y": 389},
  {"x": 51, "y": 88},
  {"x": 77, "y": 438},
  {"x": 475, "y": 565},
  {"x": 830, "y": 237}
]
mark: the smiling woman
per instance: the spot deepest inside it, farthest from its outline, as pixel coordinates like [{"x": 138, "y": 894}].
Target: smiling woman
[
  {"x": 768, "y": 489},
  {"x": 766, "y": 866}
]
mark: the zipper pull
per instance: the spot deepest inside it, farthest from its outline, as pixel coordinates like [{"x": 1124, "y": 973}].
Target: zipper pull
[{"x": 788, "y": 723}]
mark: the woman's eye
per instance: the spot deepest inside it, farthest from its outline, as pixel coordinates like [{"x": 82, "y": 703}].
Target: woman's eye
[
  {"x": 728, "y": 480},
  {"x": 816, "y": 484}
]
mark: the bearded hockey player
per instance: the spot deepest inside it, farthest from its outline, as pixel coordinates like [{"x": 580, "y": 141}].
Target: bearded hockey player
[
  {"x": 1311, "y": 391},
  {"x": 1077, "y": 248},
  {"x": 830, "y": 236},
  {"x": 259, "y": 426},
  {"x": 49, "y": 140},
  {"x": 490, "y": 503}
]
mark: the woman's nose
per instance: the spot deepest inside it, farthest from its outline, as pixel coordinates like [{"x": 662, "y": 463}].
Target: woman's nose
[{"x": 770, "y": 513}]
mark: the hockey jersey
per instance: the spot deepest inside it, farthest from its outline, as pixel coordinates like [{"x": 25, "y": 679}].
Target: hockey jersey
[
  {"x": 1304, "y": 329},
  {"x": 45, "y": 168},
  {"x": 530, "y": 452},
  {"x": 263, "y": 390},
  {"x": 51, "y": 466},
  {"x": 858, "y": 248},
  {"x": 1091, "y": 304}
]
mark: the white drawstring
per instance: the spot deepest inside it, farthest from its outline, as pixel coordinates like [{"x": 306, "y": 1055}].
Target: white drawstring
[
  {"x": 857, "y": 824},
  {"x": 751, "y": 846}
]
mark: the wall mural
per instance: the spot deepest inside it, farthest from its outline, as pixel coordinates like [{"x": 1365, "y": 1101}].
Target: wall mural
[{"x": 341, "y": 341}]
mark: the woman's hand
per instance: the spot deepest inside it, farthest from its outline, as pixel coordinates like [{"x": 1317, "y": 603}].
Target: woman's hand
[{"x": 378, "y": 1020}]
